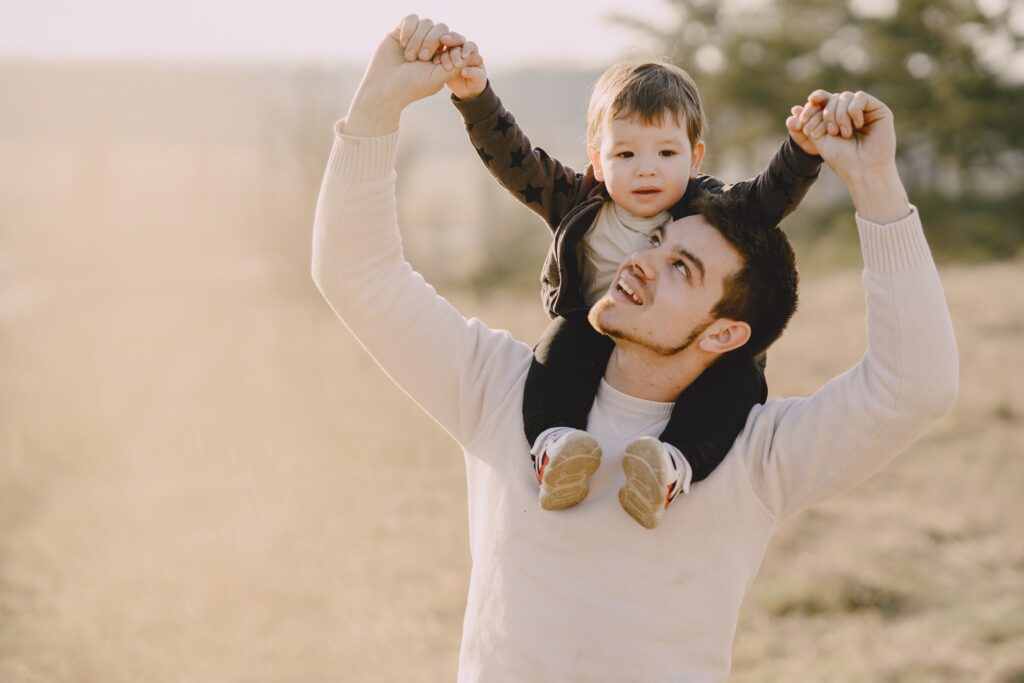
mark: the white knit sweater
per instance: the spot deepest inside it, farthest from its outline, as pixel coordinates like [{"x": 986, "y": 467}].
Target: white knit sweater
[{"x": 586, "y": 594}]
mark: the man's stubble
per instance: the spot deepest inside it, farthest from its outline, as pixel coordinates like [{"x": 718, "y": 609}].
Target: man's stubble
[{"x": 631, "y": 336}]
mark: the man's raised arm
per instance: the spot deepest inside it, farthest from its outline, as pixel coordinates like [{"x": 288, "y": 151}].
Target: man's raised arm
[
  {"x": 805, "y": 450},
  {"x": 459, "y": 371}
]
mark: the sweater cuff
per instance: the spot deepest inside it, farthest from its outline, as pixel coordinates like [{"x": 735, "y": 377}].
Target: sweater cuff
[
  {"x": 800, "y": 162},
  {"x": 359, "y": 158},
  {"x": 478, "y": 108},
  {"x": 894, "y": 247}
]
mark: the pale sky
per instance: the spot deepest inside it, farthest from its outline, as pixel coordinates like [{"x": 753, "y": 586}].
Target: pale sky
[{"x": 510, "y": 32}]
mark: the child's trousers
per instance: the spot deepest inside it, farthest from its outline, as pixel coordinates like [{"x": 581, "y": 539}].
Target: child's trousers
[{"x": 566, "y": 371}]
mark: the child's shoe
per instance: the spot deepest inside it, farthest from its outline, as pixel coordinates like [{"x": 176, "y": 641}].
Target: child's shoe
[
  {"x": 564, "y": 467},
  {"x": 653, "y": 480}
]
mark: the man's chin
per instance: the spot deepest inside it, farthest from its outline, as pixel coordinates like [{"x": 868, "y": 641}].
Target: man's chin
[
  {"x": 599, "y": 313},
  {"x": 602, "y": 319}
]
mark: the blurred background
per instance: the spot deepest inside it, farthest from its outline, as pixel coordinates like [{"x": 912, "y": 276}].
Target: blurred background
[{"x": 204, "y": 478}]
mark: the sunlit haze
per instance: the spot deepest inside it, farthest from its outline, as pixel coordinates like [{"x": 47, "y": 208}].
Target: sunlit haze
[{"x": 526, "y": 32}]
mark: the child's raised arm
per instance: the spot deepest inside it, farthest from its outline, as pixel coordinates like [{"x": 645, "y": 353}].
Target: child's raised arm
[
  {"x": 775, "y": 192},
  {"x": 544, "y": 185}
]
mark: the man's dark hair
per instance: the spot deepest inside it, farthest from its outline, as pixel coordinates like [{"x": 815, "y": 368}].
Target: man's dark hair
[{"x": 763, "y": 292}]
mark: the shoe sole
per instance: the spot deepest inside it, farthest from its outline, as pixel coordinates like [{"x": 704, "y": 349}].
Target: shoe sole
[
  {"x": 643, "y": 496},
  {"x": 565, "y": 476}
]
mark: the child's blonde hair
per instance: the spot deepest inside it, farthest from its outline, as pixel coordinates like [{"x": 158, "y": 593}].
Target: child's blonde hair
[{"x": 645, "y": 91}]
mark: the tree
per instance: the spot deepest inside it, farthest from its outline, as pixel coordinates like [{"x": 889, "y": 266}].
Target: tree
[{"x": 954, "y": 75}]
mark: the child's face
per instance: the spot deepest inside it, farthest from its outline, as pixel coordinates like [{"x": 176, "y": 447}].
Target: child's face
[{"x": 646, "y": 167}]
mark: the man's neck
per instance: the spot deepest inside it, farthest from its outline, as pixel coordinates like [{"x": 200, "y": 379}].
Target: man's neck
[{"x": 645, "y": 374}]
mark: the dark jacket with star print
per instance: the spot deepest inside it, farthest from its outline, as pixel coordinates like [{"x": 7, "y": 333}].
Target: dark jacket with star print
[{"x": 569, "y": 201}]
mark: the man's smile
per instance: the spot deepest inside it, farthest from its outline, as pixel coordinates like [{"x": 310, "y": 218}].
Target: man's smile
[{"x": 627, "y": 292}]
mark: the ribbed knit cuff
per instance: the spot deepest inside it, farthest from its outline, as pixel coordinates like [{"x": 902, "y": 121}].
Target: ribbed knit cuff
[
  {"x": 357, "y": 158},
  {"x": 894, "y": 247},
  {"x": 478, "y": 108}
]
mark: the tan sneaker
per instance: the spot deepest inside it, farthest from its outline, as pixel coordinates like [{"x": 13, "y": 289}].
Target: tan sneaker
[
  {"x": 653, "y": 480},
  {"x": 564, "y": 468}
]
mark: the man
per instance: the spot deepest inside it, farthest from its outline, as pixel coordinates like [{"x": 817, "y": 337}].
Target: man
[{"x": 589, "y": 596}]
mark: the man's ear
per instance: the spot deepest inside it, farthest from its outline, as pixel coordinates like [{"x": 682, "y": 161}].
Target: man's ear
[
  {"x": 725, "y": 335},
  {"x": 696, "y": 157},
  {"x": 594, "y": 153}
]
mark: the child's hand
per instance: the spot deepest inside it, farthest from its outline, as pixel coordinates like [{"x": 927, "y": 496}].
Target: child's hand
[
  {"x": 796, "y": 127},
  {"x": 838, "y": 118},
  {"x": 467, "y": 64}
]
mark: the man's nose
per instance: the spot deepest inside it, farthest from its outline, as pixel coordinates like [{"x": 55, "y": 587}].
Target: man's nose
[{"x": 642, "y": 262}]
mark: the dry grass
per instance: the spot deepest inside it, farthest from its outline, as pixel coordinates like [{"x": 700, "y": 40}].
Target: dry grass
[{"x": 203, "y": 478}]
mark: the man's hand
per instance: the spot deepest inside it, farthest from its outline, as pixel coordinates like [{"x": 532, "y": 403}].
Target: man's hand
[
  {"x": 834, "y": 112},
  {"x": 854, "y": 134},
  {"x": 467, "y": 64},
  {"x": 400, "y": 72}
]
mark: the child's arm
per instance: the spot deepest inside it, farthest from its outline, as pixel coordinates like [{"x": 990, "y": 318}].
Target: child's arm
[
  {"x": 776, "y": 191},
  {"x": 547, "y": 187}
]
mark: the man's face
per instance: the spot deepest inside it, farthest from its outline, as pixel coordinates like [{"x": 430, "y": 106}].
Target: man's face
[
  {"x": 663, "y": 295},
  {"x": 645, "y": 167}
]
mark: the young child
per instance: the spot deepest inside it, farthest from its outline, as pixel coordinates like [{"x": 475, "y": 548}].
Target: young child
[{"x": 645, "y": 122}]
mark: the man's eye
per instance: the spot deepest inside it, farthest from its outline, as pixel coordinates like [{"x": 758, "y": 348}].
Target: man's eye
[
  {"x": 655, "y": 240},
  {"x": 681, "y": 267}
]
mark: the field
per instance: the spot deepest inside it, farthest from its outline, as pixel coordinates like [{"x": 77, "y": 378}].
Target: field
[
  {"x": 206, "y": 479},
  {"x": 203, "y": 478}
]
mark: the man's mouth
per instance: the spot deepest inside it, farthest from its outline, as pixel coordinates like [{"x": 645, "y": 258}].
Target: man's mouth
[{"x": 622, "y": 287}]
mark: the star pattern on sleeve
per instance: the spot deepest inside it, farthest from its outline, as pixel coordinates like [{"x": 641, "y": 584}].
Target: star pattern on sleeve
[
  {"x": 562, "y": 185},
  {"x": 518, "y": 156},
  {"x": 531, "y": 194},
  {"x": 503, "y": 124},
  {"x": 484, "y": 156}
]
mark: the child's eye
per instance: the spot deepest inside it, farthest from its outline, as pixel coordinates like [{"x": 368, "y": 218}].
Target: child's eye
[
  {"x": 668, "y": 153},
  {"x": 625, "y": 155}
]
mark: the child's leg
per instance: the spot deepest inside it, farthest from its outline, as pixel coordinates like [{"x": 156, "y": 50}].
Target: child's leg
[
  {"x": 710, "y": 414},
  {"x": 564, "y": 376},
  {"x": 567, "y": 367},
  {"x": 705, "y": 421}
]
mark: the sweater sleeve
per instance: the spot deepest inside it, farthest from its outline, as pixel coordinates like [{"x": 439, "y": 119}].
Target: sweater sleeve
[
  {"x": 457, "y": 370},
  {"x": 803, "y": 450},
  {"x": 544, "y": 185},
  {"x": 774, "y": 193}
]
